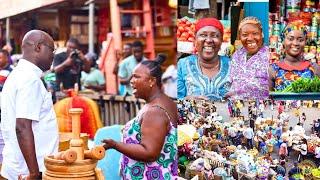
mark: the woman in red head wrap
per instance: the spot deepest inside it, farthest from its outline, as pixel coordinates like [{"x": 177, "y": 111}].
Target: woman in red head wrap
[{"x": 207, "y": 73}]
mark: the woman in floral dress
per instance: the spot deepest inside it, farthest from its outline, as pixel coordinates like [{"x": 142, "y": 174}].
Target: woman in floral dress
[
  {"x": 149, "y": 144},
  {"x": 249, "y": 64}
]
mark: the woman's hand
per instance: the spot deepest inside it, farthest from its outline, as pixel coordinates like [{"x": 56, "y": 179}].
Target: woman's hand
[{"x": 109, "y": 144}]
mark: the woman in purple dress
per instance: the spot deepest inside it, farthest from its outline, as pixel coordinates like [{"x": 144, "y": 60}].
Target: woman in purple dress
[
  {"x": 149, "y": 147},
  {"x": 249, "y": 64}
]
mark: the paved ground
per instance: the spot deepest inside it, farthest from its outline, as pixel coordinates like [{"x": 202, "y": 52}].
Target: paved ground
[{"x": 311, "y": 114}]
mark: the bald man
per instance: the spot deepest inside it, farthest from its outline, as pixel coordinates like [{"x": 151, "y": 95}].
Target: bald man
[{"x": 28, "y": 121}]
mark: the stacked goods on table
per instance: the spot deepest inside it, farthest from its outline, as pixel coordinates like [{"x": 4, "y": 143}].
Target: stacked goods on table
[
  {"x": 313, "y": 148},
  {"x": 306, "y": 12},
  {"x": 204, "y": 148},
  {"x": 185, "y": 35},
  {"x": 266, "y": 132}
]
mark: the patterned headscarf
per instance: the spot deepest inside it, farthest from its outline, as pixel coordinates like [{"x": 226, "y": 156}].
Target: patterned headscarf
[
  {"x": 250, "y": 20},
  {"x": 294, "y": 25}
]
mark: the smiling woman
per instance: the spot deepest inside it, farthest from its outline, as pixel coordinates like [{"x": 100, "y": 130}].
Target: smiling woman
[
  {"x": 205, "y": 74},
  {"x": 293, "y": 66},
  {"x": 249, "y": 65}
]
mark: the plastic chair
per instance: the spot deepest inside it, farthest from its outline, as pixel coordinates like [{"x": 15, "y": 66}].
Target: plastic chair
[{"x": 110, "y": 164}]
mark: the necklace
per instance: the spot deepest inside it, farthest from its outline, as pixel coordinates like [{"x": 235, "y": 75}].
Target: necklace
[{"x": 214, "y": 67}]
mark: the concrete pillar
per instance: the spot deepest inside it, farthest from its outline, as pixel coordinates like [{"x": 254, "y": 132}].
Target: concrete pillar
[{"x": 91, "y": 28}]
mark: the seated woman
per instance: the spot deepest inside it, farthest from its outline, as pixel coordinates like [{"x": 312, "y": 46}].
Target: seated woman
[
  {"x": 249, "y": 64},
  {"x": 293, "y": 66},
  {"x": 149, "y": 144},
  {"x": 207, "y": 73},
  {"x": 93, "y": 80}
]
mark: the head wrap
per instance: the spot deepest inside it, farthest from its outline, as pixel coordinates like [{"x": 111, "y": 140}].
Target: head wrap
[
  {"x": 250, "y": 20},
  {"x": 295, "y": 25},
  {"x": 209, "y": 22}
]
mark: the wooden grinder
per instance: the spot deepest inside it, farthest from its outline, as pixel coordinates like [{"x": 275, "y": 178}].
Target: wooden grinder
[
  {"x": 76, "y": 162},
  {"x": 76, "y": 142}
]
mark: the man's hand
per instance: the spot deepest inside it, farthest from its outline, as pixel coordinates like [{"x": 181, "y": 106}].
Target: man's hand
[
  {"x": 68, "y": 61},
  {"x": 31, "y": 176},
  {"x": 125, "y": 81}
]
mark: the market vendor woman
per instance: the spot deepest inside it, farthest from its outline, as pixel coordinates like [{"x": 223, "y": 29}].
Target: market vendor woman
[
  {"x": 207, "y": 73},
  {"x": 149, "y": 144},
  {"x": 249, "y": 65},
  {"x": 282, "y": 74}
]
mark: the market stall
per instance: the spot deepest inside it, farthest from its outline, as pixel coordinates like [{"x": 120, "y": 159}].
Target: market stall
[
  {"x": 305, "y": 14},
  {"x": 206, "y": 150}
]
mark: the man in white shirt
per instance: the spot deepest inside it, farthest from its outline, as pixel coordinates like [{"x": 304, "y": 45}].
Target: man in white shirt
[
  {"x": 169, "y": 81},
  {"x": 261, "y": 109},
  {"x": 28, "y": 121},
  {"x": 303, "y": 147},
  {"x": 249, "y": 134}
]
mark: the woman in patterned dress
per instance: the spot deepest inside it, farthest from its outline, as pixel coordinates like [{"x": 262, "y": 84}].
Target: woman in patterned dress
[
  {"x": 249, "y": 64},
  {"x": 205, "y": 74},
  {"x": 293, "y": 66},
  {"x": 149, "y": 147}
]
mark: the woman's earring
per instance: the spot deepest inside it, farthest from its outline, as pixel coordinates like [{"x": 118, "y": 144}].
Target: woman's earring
[{"x": 150, "y": 85}]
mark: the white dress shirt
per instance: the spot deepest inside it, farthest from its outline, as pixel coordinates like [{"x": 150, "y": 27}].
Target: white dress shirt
[{"x": 24, "y": 96}]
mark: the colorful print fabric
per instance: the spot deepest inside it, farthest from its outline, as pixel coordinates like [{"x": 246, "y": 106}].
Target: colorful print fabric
[
  {"x": 164, "y": 168},
  {"x": 191, "y": 81},
  {"x": 295, "y": 25},
  {"x": 249, "y": 77},
  {"x": 285, "y": 75}
]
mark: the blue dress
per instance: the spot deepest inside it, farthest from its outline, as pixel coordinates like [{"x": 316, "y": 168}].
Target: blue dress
[{"x": 191, "y": 81}]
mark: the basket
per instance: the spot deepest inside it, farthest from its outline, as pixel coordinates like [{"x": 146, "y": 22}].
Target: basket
[
  {"x": 269, "y": 122},
  {"x": 270, "y": 148}
]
